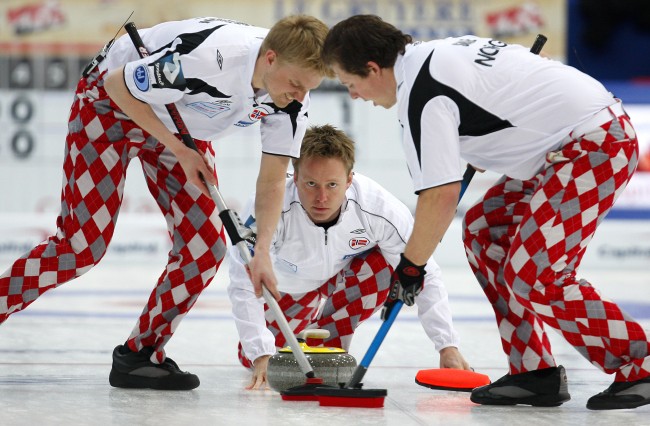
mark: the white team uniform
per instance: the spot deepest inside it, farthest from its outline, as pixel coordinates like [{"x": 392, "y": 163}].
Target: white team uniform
[
  {"x": 205, "y": 66},
  {"x": 306, "y": 255},
  {"x": 469, "y": 90}
]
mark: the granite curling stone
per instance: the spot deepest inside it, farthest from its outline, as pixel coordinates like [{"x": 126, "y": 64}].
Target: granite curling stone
[{"x": 333, "y": 365}]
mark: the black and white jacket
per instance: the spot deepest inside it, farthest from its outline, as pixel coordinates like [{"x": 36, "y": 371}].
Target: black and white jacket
[{"x": 205, "y": 67}]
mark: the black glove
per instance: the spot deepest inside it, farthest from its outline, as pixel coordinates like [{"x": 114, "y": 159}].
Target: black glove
[{"x": 406, "y": 283}]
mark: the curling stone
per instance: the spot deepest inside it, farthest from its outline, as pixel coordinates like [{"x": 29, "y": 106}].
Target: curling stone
[{"x": 333, "y": 365}]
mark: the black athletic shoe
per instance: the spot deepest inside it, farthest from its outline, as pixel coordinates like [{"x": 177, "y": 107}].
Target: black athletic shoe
[
  {"x": 622, "y": 395},
  {"x": 135, "y": 370},
  {"x": 540, "y": 388}
]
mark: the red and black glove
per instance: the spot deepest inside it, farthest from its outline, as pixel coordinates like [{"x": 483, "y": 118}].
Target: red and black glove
[{"x": 406, "y": 283}]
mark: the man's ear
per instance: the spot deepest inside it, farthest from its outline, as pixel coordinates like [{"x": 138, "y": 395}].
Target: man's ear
[
  {"x": 349, "y": 182},
  {"x": 373, "y": 67},
  {"x": 270, "y": 56}
]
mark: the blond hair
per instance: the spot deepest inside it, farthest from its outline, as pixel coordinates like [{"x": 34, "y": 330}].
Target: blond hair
[
  {"x": 298, "y": 39},
  {"x": 326, "y": 142}
]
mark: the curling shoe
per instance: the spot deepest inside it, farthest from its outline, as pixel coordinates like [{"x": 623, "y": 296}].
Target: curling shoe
[
  {"x": 622, "y": 395},
  {"x": 540, "y": 388},
  {"x": 136, "y": 371}
]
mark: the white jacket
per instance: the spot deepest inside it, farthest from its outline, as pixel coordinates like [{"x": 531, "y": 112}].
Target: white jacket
[
  {"x": 494, "y": 105},
  {"x": 210, "y": 62},
  {"x": 305, "y": 255}
]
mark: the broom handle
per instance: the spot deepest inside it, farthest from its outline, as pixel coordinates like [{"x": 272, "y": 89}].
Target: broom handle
[{"x": 361, "y": 369}]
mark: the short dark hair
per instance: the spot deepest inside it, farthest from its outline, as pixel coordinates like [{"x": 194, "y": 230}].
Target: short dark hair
[
  {"x": 359, "y": 39},
  {"x": 326, "y": 141}
]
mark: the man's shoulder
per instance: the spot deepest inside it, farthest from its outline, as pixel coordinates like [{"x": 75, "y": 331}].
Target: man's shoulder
[
  {"x": 364, "y": 184},
  {"x": 371, "y": 196},
  {"x": 231, "y": 37}
]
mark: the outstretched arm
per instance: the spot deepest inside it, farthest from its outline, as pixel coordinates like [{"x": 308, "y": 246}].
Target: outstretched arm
[
  {"x": 268, "y": 205},
  {"x": 257, "y": 341}
]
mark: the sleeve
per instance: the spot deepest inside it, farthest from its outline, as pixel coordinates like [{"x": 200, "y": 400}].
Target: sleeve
[
  {"x": 392, "y": 223},
  {"x": 431, "y": 144},
  {"x": 434, "y": 310},
  {"x": 393, "y": 240},
  {"x": 156, "y": 79},
  {"x": 247, "y": 309},
  {"x": 282, "y": 132}
]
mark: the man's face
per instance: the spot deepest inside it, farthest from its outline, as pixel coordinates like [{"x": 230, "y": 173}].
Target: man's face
[
  {"x": 321, "y": 184},
  {"x": 285, "y": 81},
  {"x": 378, "y": 86}
]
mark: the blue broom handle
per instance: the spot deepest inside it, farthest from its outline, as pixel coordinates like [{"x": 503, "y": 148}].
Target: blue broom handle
[
  {"x": 386, "y": 325},
  {"x": 381, "y": 334},
  {"x": 467, "y": 178}
]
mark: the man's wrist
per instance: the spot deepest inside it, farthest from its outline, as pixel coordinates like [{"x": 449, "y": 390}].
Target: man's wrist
[
  {"x": 406, "y": 263},
  {"x": 262, "y": 249}
]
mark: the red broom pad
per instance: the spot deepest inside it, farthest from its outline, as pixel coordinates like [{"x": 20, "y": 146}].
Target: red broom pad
[
  {"x": 303, "y": 392},
  {"x": 304, "y": 397},
  {"x": 356, "y": 397},
  {"x": 451, "y": 379},
  {"x": 337, "y": 401}
]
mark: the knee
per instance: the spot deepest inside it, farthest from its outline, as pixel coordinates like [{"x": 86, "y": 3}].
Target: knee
[
  {"x": 465, "y": 230},
  {"x": 208, "y": 265},
  {"x": 83, "y": 255},
  {"x": 370, "y": 264},
  {"x": 473, "y": 251},
  {"x": 520, "y": 288},
  {"x": 473, "y": 222},
  {"x": 207, "y": 259}
]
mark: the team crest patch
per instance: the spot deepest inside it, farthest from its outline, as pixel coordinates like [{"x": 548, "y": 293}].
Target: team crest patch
[
  {"x": 357, "y": 243},
  {"x": 141, "y": 78},
  {"x": 257, "y": 114}
]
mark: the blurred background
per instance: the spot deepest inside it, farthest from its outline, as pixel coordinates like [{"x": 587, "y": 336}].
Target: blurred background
[{"x": 44, "y": 44}]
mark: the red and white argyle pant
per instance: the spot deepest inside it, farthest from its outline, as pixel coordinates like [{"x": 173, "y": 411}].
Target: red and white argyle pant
[
  {"x": 351, "y": 297},
  {"x": 100, "y": 144},
  {"x": 524, "y": 241}
]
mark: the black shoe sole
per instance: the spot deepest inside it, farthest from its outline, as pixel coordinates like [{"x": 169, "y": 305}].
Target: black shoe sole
[
  {"x": 174, "y": 382},
  {"x": 616, "y": 404},
  {"x": 535, "y": 401}
]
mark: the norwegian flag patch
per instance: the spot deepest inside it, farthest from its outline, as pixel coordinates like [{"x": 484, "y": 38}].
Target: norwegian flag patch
[
  {"x": 257, "y": 114},
  {"x": 357, "y": 243}
]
